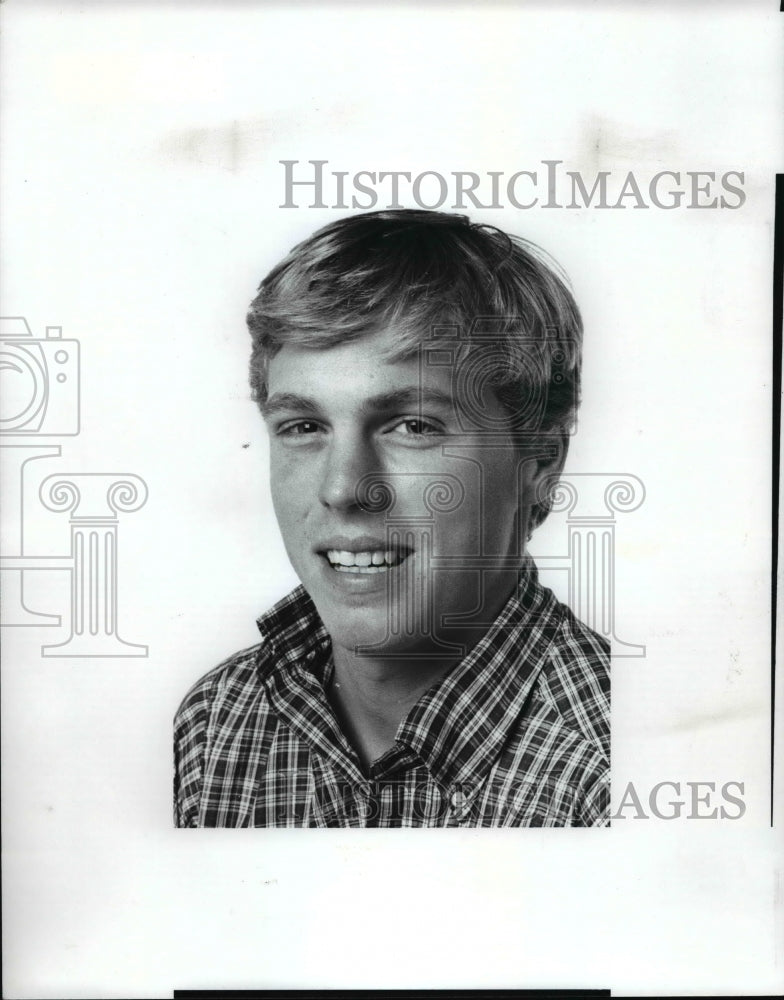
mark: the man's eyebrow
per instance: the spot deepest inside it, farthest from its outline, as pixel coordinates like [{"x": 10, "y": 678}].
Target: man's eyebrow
[
  {"x": 288, "y": 401},
  {"x": 410, "y": 397}
]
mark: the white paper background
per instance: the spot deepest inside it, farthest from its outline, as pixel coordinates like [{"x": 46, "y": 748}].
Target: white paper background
[{"x": 141, "y": 193}]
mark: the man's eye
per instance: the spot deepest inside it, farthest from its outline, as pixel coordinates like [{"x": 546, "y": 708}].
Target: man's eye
[
  {"x": 416, "y": 427},
  {"x": 298, "y": 428}
]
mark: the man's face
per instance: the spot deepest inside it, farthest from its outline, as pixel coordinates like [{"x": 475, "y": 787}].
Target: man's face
[{"x": 359, "y": 445}]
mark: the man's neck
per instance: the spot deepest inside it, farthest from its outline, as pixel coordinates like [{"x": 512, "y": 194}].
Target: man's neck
[{"x": 371, "y": 697}]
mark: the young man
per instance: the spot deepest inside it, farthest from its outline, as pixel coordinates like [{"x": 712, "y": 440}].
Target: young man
[{"x": 419, "y": 377}]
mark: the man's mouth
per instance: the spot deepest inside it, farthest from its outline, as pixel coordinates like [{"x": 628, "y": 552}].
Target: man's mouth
[{"x": 371, "y": 561}]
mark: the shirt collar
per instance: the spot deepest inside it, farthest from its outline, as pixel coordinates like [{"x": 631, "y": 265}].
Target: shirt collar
[
  {"x": 459, "y": 726},
  {"x": 292, "y": 629}
]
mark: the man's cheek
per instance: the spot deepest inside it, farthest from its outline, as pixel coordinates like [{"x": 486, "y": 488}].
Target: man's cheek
[
  {"x": 457, "y": 533},
  {"x": 291, "y": 477},
  {"x": 289, "y": 501}
]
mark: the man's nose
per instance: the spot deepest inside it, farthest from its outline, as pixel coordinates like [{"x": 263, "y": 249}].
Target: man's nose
[{"x": 347, "y": 463}]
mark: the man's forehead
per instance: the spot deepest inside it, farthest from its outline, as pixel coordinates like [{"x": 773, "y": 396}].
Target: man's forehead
[
  {"x": 433, "y": 352},
  {"x": 372, "y": 374},
  {"x": 379, "y": 359}
]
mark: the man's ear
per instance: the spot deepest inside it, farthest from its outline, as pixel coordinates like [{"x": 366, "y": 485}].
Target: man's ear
[
  {"x": 540, "y": 474},
  {"x": 549, "y": 464}
]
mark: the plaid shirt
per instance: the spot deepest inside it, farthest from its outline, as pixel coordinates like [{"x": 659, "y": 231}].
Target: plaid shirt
[{"x": 517, "y": 734}]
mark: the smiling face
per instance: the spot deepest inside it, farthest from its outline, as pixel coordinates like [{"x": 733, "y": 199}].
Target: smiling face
[{"x": 359, "y": 445}]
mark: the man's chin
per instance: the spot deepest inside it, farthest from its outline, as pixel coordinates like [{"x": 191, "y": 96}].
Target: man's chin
[
  {"x": 359, "y": 631},
  {"x": 362, "y": 616},
  {"x": 366, "y": 631}
]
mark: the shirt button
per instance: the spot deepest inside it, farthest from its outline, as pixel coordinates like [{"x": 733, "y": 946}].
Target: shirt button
[{"x": 457, "y": 799}]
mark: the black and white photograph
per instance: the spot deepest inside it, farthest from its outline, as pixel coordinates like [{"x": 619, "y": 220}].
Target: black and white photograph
[
  {"x": 389, "y": 454},
  {"x": 419, "y": 379}
]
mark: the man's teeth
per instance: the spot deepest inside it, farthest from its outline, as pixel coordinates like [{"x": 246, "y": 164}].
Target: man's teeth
[{"x": 377, "y": 561}]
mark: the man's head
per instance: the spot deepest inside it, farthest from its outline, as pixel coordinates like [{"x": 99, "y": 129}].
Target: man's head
[{"x": 420, "y": 378}]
